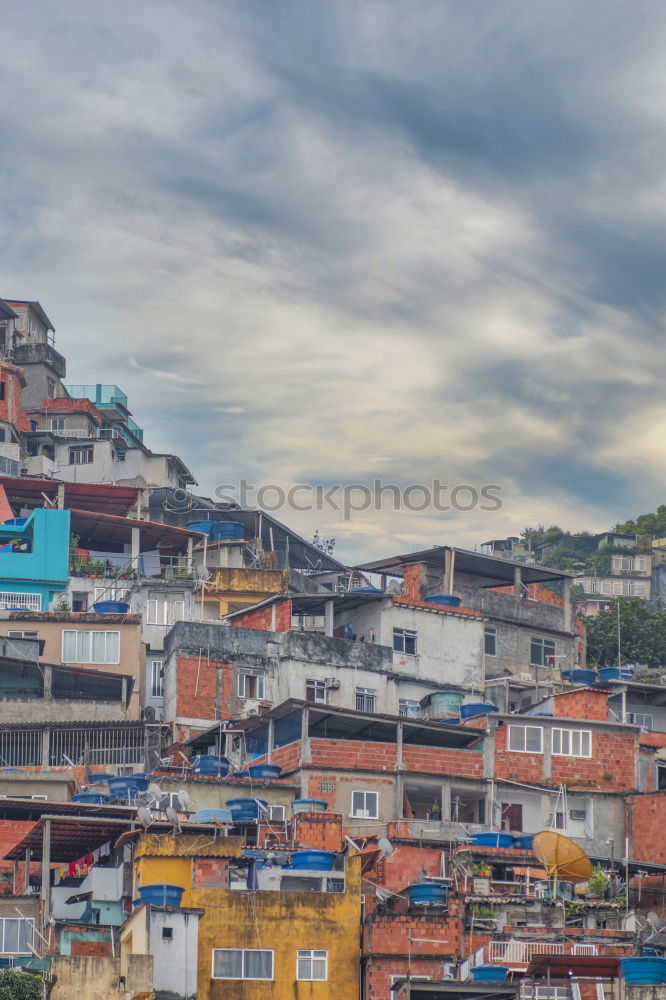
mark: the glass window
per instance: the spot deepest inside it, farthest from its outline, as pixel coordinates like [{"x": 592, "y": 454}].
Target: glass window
[
  {"x": 315, "y": 691},
  {"x": 242, "y": 963},
  {"x": 156, "y": 679},
  {"x": 526, "y": 739},
  {"x": 572, "y": 742},
  {"x": 81, "y": 456},
  {"x": 312, "y": 965},
  {"x": 366, "y": 699},
  {"x": 79, "y": 646},
  {"x": 543, "y": 652},
  {"x": 365, "y": 805},
  {"x": 409, "y": 709},
  {"x": 251, "y": 685},
  {"x": 404, "y": 641},
  {"x": 490, "y": 641}
]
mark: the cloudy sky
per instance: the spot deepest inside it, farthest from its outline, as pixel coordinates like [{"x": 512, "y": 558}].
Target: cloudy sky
[{"x": 328, "y": 241}]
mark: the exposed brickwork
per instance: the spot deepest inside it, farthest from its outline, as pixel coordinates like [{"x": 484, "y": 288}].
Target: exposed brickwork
[
  {"x": 197, "y": 694},
  {"x": 319, "y": 830},
  {"x": 100, "y": 948},
  {"x": 411, "y": 582},
  {"x": 55, "y": 407},
  {"x": 11, "y": 832},
  {"x": 11, "y": 407},
  {"x": 438, "y": 608},
  {"x": 262, "y": 618},
  {"x": 210, "y": 873},
  {"x": 645, "y": 824},
  {"x": 535, "y": 592},
  {"x": 581, "y": 703}
]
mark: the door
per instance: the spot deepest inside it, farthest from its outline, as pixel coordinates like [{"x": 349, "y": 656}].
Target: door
[{"x": 512, "y": 818}]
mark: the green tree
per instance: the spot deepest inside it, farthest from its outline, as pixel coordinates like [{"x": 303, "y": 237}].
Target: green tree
[
  {"x": 646, "y": 525},
  {"x": 20, "y": 986},
  {"x": 642, "y": 634}
]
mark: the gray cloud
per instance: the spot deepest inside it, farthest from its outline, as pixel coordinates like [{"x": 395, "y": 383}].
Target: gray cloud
[{"x": 323, "y": 242}]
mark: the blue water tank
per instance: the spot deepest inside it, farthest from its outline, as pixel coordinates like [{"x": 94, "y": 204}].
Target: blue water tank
[
  {"x": 210, "y": 815},
  {"x": 490, "y": 973},
  {"x": 320, "y": 861},
  {"x": 616, "y": 674},
  {"x": 477, "y": 708},
  {"x": 204, "y": 527},
  {"x": 448, "y": 600},
  {"x": 227, "y": 531},
  {"x": 245, "y": 810},
  {"x": 366, "y": 590},
  {"x": 264, "y": 772},
  {"x": 99, "y": 779},
  {"x": 111, "y": 607},
  {"x": 16, "y": 522},
  {"x": 161, "y": 895},
  {"x": 347, "y": 631},
  {"x": 492, "y": 839},
  {"x": 211, "y": 765},
  {"x": 523, "y": 841},
  {"x": 127, "y": 787},
  {"x": 92, "y": 798},
  {"x": 309, "y": 805},
  {"x": 644, "y": 970},
  {"x": 579, "y": 676},
  {"x": 431, "y": 893}
]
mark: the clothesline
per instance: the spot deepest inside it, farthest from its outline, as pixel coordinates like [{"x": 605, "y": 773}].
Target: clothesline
[{"x": 82, "y": 866}]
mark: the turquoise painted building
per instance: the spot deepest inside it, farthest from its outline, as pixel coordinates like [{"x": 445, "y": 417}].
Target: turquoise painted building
[{"x": 34, "y": 559}]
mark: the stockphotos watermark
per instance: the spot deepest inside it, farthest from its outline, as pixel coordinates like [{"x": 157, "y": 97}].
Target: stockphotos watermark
[{"x": 355, "y": 498}]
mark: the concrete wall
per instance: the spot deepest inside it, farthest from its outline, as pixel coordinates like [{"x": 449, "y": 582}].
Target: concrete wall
[{"x": 175, "y": 958}]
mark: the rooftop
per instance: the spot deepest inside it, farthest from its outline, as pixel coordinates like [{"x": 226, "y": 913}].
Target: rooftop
[
  {"x": 36, "y": 308},
  {"x": 486, "y": 571},
  {"x": 27, "y": 491}
]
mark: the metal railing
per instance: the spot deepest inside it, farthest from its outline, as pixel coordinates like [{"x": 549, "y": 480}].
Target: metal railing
[{"x": 521, "y": 952}]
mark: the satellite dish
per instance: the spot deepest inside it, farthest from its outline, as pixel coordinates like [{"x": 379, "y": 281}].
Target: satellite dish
[
  {"x": 144, "y": 816},
  {"x": 184, "y": 799},
  {"x": 386, "y": 847},
  {"x": 203, "y": 572},
  {"x": 561, "y": 857},
  {"x": 172, "y": 816}
]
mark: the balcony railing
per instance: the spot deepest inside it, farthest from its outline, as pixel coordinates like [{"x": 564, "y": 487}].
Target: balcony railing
[{"x": 521, "y": 952}]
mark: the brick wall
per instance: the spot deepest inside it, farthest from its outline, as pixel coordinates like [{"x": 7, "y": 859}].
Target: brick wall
[
  {"x": 411, "y": 582},
  {"x": 645, "y": 824},
  {"x": 582, "y": 703},
  {"x": 197, "y": 687},
  {"x": 65, "y": 405},
  {"x": 11, "y": 832},
  {"x": 11, "y": 407},
  {"x": 321, "y": 831},
  {"x": 210, "y": 873},
  {"x": 262, "y": 618},
  {"x": 444, "y": 761},
  {"x": 535, "y": 592},
  {"x": 98, "y": 948}
]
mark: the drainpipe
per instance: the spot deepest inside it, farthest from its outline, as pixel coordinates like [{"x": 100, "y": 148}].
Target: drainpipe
[{"x": 46, "y": 875}]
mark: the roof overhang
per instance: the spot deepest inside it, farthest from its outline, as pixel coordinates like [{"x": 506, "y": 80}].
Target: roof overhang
[{"x": 487, "y": 571}]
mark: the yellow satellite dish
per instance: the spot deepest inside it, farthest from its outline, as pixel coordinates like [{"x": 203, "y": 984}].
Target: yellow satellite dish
[{"x": 561, "y": 857}]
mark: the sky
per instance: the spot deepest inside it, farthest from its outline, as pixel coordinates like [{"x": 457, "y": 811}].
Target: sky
[{"x": 333, "y": 242}]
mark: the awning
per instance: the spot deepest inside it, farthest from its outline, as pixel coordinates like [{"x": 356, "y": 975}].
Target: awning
[
  {"x": 574, "y": 966},
  {"x": 105, "y": 528},
  {"x": 26, "y": 491}
]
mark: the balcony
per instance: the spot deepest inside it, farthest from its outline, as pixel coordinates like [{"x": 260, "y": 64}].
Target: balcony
[
  {"x": 25, "y": 354},
  {"x": 104, "y": 396}
]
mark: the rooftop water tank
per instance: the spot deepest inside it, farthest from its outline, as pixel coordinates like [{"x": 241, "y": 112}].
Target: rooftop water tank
[
  {"x": 309, "y": 805},
  {"x": 579, "y": 676},
  {"x": 492, "y": 839},
  {"x": 429, "y": 893},
  {"x": 523, "y": 841},
  {"x": 227, "y": 531},
  {"x": 210, "y": 815},
  {"x": 644, "y": 970},
  {"x": 265, "y": 772},
  {"x": 91, "y": 798},
  {"x": 16, "y": 522},
  {"x": 319, "y": 861},
  {"x": 490, "y": 973},
  {"x": 366, "y": 590},
  {"x": 245, "y": 810},
  {"x": 445, "y": 703},
  {"x": 477, "y": 708},
  {"x": 616, "y": 674},
  {"x": 110, "y": 607},
  {"x": 211, "y": 765},
  {"x": 204, "y": 527},
  {"x": 161, "y": 895},
  {"x": 448, "y": 600},
  {"x": 99, "y": 779}
]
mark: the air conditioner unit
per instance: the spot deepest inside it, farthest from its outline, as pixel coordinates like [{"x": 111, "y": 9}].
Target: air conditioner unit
[
  {"x": 449, "y": 970},
  {"x": 332, "y": 683}
]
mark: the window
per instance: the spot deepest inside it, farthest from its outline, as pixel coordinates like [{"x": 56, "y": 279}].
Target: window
[
  {"x": 12, "y": 602},
  {"x": 79, "y": 600},
  {"x": 242, "y": 963},
  {"x": 365, "y": 805},
  {"x": 542, "y": 652},
  {"x": 81, "y": 455},
  {"x": 161, "y": 612},
  {"x": 23, "y": 635},
  {"x": 3, "y": 390},
  {"x": 526, "y": 739},
  {"x": 633, "y": 718},
  {"x": 16, "y": 935},
  {"x": 3, "y": 434},
  {"x": 315, "y": 691},
  {"x": 312, "y": 965},
  {"x": 90, "y": 647},
  {"x": 409, "y": 709},
  {"x": 33, "y": 326},
  {"x": 112, "y": 594},
  {"x": 490, "y": 641},
  {"x": 167, "y": 933},
  {"x": 366, "y": 699},
  {"x": 404, "y": 641},
  {"x": 276, "y": 814},
  {"x": 621, "y": 564},
  {"x": 572, "y": 742},
  {"x": 50, "y": 388},
  {"x": 640, "y": 564},
  {"x": 638, "y": 590},
  {"x": 58, "y": 424},
  {"x": 156, "y": 679},
  {"x": 251, "y": 685}
]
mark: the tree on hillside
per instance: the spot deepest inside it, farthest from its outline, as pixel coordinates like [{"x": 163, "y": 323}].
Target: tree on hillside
[
  {"x": 646, "y": 525},
  {"x": 642, "y": 634}
]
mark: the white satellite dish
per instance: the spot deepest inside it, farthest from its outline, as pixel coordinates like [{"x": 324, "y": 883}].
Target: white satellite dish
[
  {"x": 144, "y": 816},
  {"x": 172, "y": 816},
  {"x": 155, "y": 792},
  {"x": 184, "y": 799},
  {"x": 203, "y": 572},
  {"x": 386, "y": 847}
]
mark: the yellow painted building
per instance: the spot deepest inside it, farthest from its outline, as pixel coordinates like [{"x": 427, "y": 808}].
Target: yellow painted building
[
  {"x": 233, "y": 589},
  {"x": 267, "y": 943}
]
